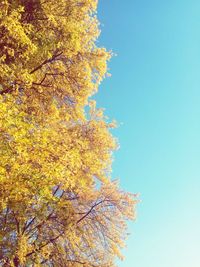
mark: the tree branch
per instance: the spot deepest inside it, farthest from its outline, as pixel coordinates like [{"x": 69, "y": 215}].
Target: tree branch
[
  {"x": 90, "y": 210},
  {"x": 53, "y": 58},
  {"x": 44, "y": 245},
  {"x": 7, "y": 90}
]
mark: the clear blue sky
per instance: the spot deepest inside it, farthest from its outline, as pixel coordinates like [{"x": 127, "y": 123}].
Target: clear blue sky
[{"x": 154, "y": 92}]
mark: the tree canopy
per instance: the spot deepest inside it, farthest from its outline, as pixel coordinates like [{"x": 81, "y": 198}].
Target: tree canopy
[{"x": 58, "y": 203}]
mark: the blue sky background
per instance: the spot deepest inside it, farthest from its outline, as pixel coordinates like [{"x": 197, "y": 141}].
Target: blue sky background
[{"x": 154, "y": 92}]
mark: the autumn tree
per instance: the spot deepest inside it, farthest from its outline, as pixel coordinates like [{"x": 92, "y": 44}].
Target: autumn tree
[{"x": 58, "y": 203}]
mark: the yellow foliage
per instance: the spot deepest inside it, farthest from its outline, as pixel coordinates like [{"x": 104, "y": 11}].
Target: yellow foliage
[{"x": 58, "y": 205}]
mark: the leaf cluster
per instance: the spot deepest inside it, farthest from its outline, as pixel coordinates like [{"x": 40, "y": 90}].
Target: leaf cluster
[{"x": 58, "y": 204}]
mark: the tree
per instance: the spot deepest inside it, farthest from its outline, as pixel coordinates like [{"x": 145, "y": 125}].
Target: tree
[{"x": 58, "y": 204}]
